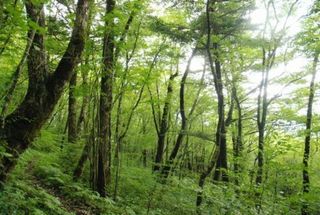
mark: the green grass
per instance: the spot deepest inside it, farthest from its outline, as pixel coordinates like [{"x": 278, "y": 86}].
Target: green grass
[{"x": 42, "y": 184}]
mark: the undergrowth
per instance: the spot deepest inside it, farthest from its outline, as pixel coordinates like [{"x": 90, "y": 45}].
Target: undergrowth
[{"x": 42, "y": 184}]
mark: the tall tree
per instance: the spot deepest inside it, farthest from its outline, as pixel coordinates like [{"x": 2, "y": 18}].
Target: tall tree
[
  {"x": 306, "y": 153},
  {"x": 44, "y": 88},
  {"x": 105, "y": 106},
  {"x": 164, "y": 124},
  {"x": 217, "y": 31},
  {"x": 184, "y": 125},
  {"x": 311, "y": 45},
  {"x": 269, "y": 50}
]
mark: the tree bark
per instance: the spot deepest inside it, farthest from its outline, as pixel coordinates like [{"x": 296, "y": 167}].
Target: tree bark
[
  {"x": 222, "y": 165},
  {"x": 184, "y": 121},
  {"x": 72, "y": 110},
  {"x": 306, "y": 154},
  {"x": 105, "y": 107},
  {"x": 205, "y": 174},
  {"x": 164, "y": 125},
  {"x": 44, "y": 90},
  {"x": 267, "y": 62},
  {"x": 84, "y": 156},
  {"x": 237, "y": 149},
  {"x": 219, "y": 158}
]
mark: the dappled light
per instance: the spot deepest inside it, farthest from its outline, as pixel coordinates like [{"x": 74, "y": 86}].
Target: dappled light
[{"x": 159, "y": 107}]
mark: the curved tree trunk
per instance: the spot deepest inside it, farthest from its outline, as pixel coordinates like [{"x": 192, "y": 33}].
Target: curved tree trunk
[
  {"x": 44, "y": 90},
  {"x": 219, "y": 158},
  {"x": 184, "y": 124},
  {"x": 164, "y": 125}
]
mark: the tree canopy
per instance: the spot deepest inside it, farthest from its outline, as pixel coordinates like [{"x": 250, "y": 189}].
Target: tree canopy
[{"x": 159, "y": 107}]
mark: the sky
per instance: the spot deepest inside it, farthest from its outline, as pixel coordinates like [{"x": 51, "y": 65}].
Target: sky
[{"x": 297, "y": 64}]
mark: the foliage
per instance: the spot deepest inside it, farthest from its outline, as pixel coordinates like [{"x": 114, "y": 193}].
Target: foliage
[{"x": 153, "y": 41}]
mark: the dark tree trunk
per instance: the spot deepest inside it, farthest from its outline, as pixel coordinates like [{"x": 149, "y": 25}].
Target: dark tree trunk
[
  {"x": 306, "y": 154},
  {"x": 105, "y": 107},
  {"x": 205, "y": 174},
  {"x": 84, "y": 156},
  {"x": 72, "y": 110},
  {"x": 222, "y": 165},
  {"x": 237, "y": 149},
  {"x": 267, "y": 62},
  {"x": 81, "y": 123},
  {"x": 262, "y": 110},
  {"x": 260, "y": 155},
  {"x": 219, "y": 158},
  {"x": 44, "y": 90},
  {"x": 164, "y": 125},
  {"x": 144, "y": 157},
  {"x": 88, "y": 151},
  {"x": 166, "y": 169}
]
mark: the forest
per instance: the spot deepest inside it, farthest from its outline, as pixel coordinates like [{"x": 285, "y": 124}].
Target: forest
[{"x": 159, "y": 107}]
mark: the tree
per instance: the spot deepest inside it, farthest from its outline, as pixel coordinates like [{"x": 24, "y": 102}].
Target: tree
[
  {"x": 103, "y": 178},
  {"x": 306, "y": 154},
  {"x": 164, "y": 125},
  {"x": 44, "y": 89},
  {"x": 311, "y": 45},
  {"x": 269, "y": 51},
  {"x": 166, "y": 169}
]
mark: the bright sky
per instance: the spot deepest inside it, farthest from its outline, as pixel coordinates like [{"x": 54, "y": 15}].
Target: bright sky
[{"x": 297, "y": 64}]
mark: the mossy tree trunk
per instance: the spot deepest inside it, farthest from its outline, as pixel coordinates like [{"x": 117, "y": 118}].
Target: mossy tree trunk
[
  {"x": 44, "y": 89},
  {"x": 105, "y": 107},
  {"x": 72, "y": 110}
]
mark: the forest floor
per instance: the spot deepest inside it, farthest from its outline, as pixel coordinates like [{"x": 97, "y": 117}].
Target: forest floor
[{"x": 42, "y": 184}]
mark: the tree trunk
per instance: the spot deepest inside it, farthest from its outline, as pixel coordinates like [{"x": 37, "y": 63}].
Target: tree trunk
[
  {"x": 205, "y": 174},
  {"x": 105, "y": 107},
  {"x": 44, "y": 90},
  {"x": 81, "y": 123},
  {"x": 222, "y": 165},
  {"x": 262, "y": 111},
  {"x": 219, "y": 158},
  {"x": 72, "y": 110},
  {"x": 84, "y": 156},
  {"x": 144, "y": 157},
  {"x": 166, "y": 169},
  {"x": 306, "y": 154},
  {"x": 164, "y": 125},
  {"x": 237, "y": 149}
]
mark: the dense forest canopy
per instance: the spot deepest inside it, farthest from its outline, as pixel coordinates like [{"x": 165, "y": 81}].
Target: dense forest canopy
[{"x": 159, "y": 107}]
